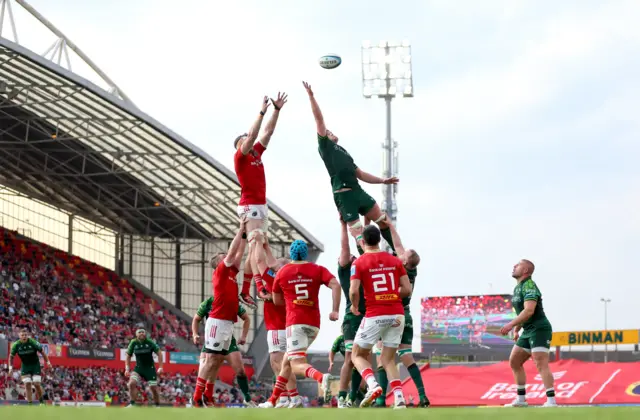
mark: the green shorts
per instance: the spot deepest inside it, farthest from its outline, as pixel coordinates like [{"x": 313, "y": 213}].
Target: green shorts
[
  {"x": 407, "y": 333},
  {"x": 30, "y": 370},
  {"x": 149, "y": 374},
  {"x": 350, "y": 326},
  {"x": 353, "y": 203},
  {"x": 534, "y": 341},
  {"x": 233, "y": 347}
]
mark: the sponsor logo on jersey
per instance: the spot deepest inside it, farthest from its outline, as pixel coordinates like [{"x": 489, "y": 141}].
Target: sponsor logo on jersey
[
  {"x": 389, "y": 296},
  {"x": 271, "y": 273},
  {"x": 303, "y": 302},
  {"x": 353, "y": 269}
]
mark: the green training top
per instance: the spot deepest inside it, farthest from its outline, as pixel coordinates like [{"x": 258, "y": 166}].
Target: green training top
[
  {"x": 143, "y": 350},
  {"x": 338, "y": 345},
  {"x": 27, "y": 352},
  {"x": 205, "y": 308},
  {"x": 339, "y": 164},
  {"x": 412, "y": 274},
  {"x": 528, "y": 290}
]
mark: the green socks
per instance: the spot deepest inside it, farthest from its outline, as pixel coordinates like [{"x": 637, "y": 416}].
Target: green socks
[
  {"x": 384, "y": 382},
  {"x": 386, "y": 234},
  {"x": 243, "y": 383},
  {"x": 356, "y": 381},
  {"x": 414, "y": 371}
]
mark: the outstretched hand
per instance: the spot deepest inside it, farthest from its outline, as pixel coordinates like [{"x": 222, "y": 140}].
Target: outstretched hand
[
  {"x": 392, "y": 180},
  {"x": 280, "y": 101},
  {"x": 265, "y": 104},
  {"x": 307, "y": 86}
]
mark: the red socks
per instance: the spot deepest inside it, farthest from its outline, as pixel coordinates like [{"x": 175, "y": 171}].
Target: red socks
[
  {"x": 313, "y": 374},
  {"x": 200, "y": 385},
  {"x": 208, "y": 390},
  {"x": 278, "y": 389}
]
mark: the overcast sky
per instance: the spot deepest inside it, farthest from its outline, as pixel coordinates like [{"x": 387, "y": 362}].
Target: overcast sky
[{"x": 521, "y": 140}]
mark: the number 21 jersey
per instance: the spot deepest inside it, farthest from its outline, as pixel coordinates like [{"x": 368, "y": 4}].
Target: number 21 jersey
[
  {"x": 380, "y": 274},
  {"x": 300, "y": 285}
]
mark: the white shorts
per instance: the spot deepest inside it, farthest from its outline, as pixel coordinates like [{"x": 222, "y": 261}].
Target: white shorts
[
  {"x": 387, "y": 328},
  {"x": 299, "y": 338},
  {"x": 27, "y": 379},
  {"x": 255, "y": 212},
  {"x": 217, "y": 335},
  {"x": 277, "y": 341}
]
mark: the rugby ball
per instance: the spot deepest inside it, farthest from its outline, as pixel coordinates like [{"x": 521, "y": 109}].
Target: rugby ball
[{"x": 330, "y": 61}]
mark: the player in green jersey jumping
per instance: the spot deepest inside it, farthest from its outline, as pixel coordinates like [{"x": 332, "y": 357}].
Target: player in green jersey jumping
[
  {"x": 410, "y": 259},
  {"x": 234, "y": 358},
  {"x": 535, "y": 339},
  {"x": 27, "y": 350},
  {"x": 143, "y": 348},
  {"x": 350, "y": 199}
]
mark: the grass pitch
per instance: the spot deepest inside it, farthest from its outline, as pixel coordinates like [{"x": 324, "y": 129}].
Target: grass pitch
[{"x": 92, "y": 413}]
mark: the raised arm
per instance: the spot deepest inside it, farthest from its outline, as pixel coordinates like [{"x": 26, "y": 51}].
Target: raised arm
[
  {"x": 315, "y": 108},
  {"x": 195, "y": 322},
  {"x": 345, "y": 251},
  {"x": 354, "y": 296},
  {"x": 252, "y": 135},
  {"x": 372, "y": 179},
  {"x": 336, "y": 292},
  {"x": 271, "y": 125},
  {"x": 236, "y": 250},
  {"x": 396, "y": 239},
  {"x": 246, "y": 324}
]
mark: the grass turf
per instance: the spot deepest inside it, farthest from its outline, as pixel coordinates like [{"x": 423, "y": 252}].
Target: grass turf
[{"x": 93, "y": 413}]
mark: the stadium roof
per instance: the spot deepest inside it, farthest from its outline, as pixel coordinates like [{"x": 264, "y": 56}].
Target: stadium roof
[{"x": 72, "y": 144}]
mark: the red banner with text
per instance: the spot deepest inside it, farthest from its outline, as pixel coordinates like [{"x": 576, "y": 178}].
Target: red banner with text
[{"x": 576, "y": 382}]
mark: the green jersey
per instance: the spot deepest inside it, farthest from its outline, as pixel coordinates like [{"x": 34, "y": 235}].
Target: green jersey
[
  {"x": 205, "y": 308},
  {"x": 528, "y": 290},
  {"x": 339, "y": 164},
  {"x": 344, "y": 275},
  {"x": 338, "y": 345},
  {"x": 27, "y": 352},
  {"x": 412, "y": 274},
  {"x": 143, "y": 350}
]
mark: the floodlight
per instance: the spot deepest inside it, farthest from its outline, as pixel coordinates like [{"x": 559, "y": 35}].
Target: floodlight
[{"x": 384, "y": 64}]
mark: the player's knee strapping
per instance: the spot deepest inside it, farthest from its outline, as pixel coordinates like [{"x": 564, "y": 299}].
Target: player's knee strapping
[
  {"x": 297, "y": 355},
  {"x": 356, "y": 225},
  {"x": 402, "y": 352},
  {"x": 26, "y": 379},
  {"x": 381, "y": 218},
  {"x": 348, "y": 345}
]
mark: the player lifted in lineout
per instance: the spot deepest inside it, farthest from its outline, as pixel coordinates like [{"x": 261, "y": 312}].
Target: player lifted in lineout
[
  {"x": 234, "y": 358},
  {"x": 250, "y": 171},
  {"x": 27, "y": 350},
  {"x": 218, "y": 331},
  {"x": 275, "y": 318},
  {"x": 385, "y": 282},
  {"x": 297, "y": 286},
  {"x": 142, "y": 347},
  {"x": 410, "y": 259},
  {"x": 535, "y": 339},
  {"x": 350, "y": 199},
  {"x": 350, "y": 322}
]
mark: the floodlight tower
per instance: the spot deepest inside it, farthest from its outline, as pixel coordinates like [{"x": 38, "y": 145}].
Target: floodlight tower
[{"x": 386, "y": 73}]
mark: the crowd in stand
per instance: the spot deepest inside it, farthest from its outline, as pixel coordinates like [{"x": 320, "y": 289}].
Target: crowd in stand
[
  {"x": 110, "y": 385},
  {"x": 63, "y": 299},
  {"x": 452, "y": 307}
]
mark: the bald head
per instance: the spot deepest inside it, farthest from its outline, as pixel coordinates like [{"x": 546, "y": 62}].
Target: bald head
[{"x": 523, "y": 269}]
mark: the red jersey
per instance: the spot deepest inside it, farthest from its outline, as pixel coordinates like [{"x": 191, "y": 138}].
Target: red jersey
[
  {"x": 225, "y": 289},
  {"x": 300, "y": 285},
  {"x": 380, "y": 274},
  {"x": 275, "y": 317},
  {"x": 250, "y": 172}
]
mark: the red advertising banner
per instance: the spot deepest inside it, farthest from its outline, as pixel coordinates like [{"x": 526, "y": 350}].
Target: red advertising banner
[{"x": 576, "y": 382}]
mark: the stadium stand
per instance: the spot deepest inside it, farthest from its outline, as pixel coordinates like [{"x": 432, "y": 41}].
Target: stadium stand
[
  {"x": 66, "y": 300},
  {"x": 104, "y": 384}
]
